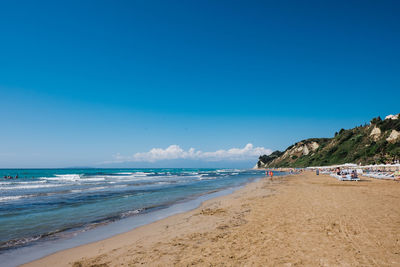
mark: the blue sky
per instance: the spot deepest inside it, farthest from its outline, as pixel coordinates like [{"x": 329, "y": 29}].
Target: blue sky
[{"x": 86, "y": 82}]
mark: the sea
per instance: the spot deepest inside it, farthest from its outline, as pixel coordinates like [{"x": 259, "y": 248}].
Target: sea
[{"x": 44, "y": 205}]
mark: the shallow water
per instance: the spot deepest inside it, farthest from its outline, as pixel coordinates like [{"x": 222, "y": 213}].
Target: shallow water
[
  {"x": 53, "y": 204},
  {"x": 21, "y": 255}
]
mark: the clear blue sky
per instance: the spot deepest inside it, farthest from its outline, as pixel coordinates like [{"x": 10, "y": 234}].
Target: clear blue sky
[{"x": 81, "y": 81}]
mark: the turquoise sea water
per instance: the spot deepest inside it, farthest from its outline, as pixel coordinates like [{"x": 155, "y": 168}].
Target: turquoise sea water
[{"x": 43, "y": 204}]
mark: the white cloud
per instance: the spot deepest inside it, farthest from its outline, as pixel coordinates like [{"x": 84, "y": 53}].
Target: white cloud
[{"x": 174, "y": 152}]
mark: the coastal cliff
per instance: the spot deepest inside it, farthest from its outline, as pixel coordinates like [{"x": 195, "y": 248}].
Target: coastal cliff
[{"x": 373, "y": 143}]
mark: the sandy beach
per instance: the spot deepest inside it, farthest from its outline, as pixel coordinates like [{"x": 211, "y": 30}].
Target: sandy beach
[{"x": 296, "y": 220}]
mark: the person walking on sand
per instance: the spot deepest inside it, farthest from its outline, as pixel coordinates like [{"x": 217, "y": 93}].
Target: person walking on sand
[{"x": 271, "y": 174}]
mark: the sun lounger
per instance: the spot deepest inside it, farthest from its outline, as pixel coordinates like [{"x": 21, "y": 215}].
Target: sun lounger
[
  {"x": 380, "y": 175},
  {"x": 345, "y": 178}
]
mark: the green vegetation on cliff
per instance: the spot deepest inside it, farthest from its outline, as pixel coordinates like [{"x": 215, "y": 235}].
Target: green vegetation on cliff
[{"x": 378, "y": 142}]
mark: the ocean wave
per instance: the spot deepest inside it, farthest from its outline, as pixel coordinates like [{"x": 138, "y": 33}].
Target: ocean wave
[
  {"x": 2, "y": 199},
  {"x": 73, "y": 178},
  {"x": 229, "y": 170},
  {"x": 120, "y": 186},
  {"x": 133, "y": 173},
  {"x": 77, "y": 228},
  {"x": 106, "y": 193},
  {"x": 165, "y": 182},
  {"x": 120, "y": 177},
  {"x": 97, "y": 188},
  {"x": 77, "y": 190},
  {"x": 140, "y": 174},
  {"x": 130, "y": 213},
  {"x": 18, "y": 242},
  {"x": 135, "y": 177},
  {"x": 63, "y": 177},
  {"x": 26, "y": 240},
  {"x": 22, "y": 182},
  {"x": 190, "y": 173},
  {"x": 11, "y": 198},
  {"x": 32, "y": 186},
  {"x": 207, "y": 178}
]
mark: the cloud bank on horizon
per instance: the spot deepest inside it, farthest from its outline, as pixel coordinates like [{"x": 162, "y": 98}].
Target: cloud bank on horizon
[{"x": 174, "y": 152}]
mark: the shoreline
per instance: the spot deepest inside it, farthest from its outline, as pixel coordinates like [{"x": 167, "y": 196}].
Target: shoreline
[
  {"x": 47, "y": 248},
  {"x": 294, "y": 220},
  {"x": 73, "y": 254}
]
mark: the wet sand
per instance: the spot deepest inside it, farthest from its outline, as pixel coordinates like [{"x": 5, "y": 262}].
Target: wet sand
[{"x": 295, "y": 220}]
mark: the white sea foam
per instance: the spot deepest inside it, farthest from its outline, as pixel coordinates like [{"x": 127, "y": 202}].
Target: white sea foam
[
  {"x": 76, "y": 190},
  {"x": 32, "y": 186},
  {"x": 68, "y": 176},
  {"x": 10, "y": 198},
  {"x": 74, "y": 179},
  {"x": 63, "y": 177},
  {"x": 230, "y": 170},
  {"x": 103, "y": 177},
  {"x": 20, "y": 241},
  {"x": 97, "y": 188},
  {"x": 2, "y": 199},
  {"x": 140, "y": 174},
  {"x": 131, "y": 212},
  {"x": 20, "y": 182}
]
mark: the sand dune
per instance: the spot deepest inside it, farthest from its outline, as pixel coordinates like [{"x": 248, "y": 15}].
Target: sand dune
[{"x": 296, "y": 220}]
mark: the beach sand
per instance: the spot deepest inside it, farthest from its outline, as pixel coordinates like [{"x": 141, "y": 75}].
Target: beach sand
[{"x": 297, "y": 220}]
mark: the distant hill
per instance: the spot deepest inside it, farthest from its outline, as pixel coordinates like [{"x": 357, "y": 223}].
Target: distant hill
[{"x": 377, "y": 142}]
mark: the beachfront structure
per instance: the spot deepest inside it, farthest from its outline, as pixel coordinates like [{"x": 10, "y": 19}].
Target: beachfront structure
[
  {"x": 386, "y": 167},
  {"x": 377, "y": 171}
]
